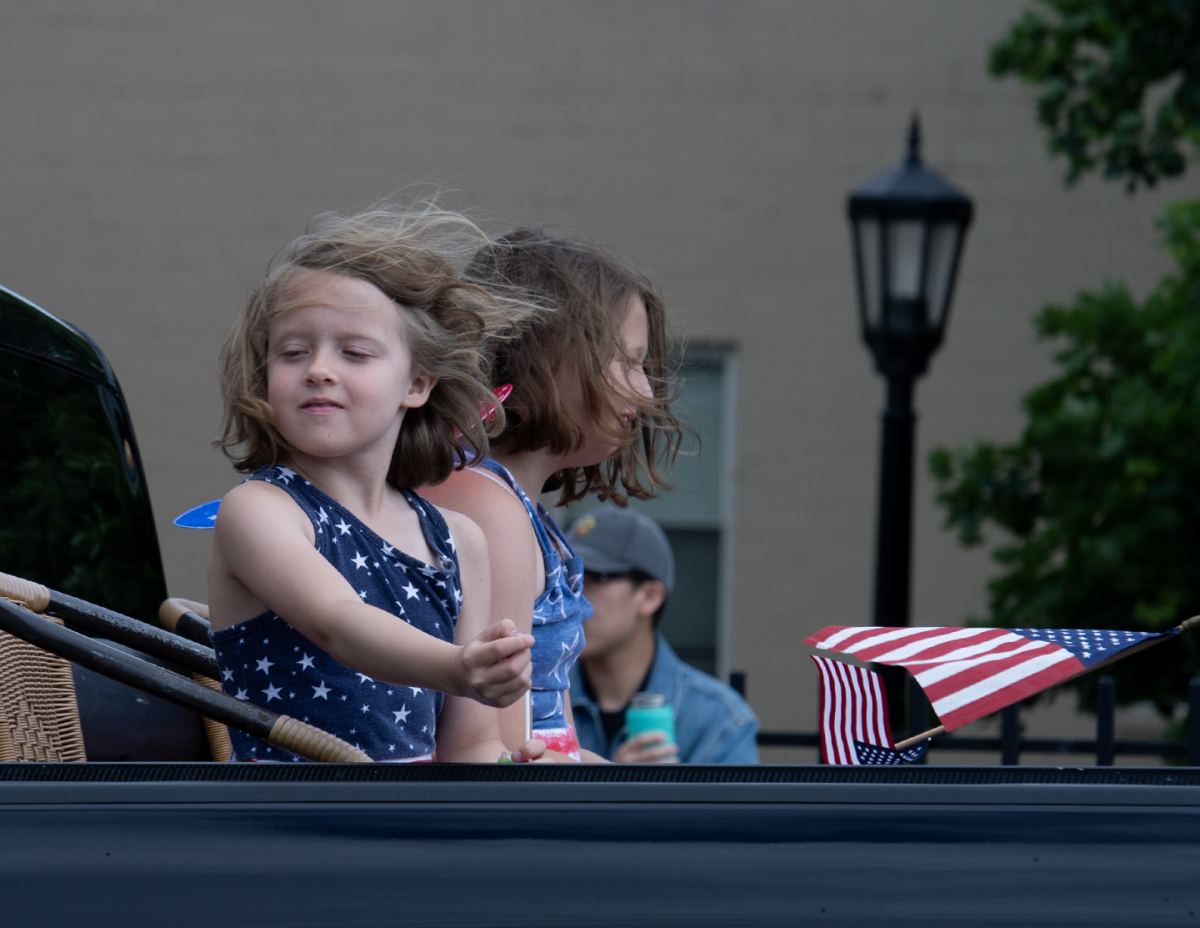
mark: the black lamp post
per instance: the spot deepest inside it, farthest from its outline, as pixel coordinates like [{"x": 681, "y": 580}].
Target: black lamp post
[{"x": 908, "y": 226}]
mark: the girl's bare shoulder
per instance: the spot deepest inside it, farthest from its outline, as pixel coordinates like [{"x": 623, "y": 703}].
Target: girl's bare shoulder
[
  {"x": 478, "y": 496},
  {"x": 255, "y": 501}
]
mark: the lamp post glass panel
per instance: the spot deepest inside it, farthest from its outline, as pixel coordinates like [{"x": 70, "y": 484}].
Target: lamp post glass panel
[{"x": 907, "y": 229}]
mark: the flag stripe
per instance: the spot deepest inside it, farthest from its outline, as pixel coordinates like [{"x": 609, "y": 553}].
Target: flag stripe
[
  {"x": 923, "y": 646},
  {"x": 999, "y": 681},
  {"x": 853, "y": 709},
  {"x": 942, "y": 672}
]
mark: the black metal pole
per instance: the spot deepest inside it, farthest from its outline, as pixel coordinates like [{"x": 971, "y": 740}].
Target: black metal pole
[
  {"x": 893, "y": 540},
  {"x": 1106, "y": 708},
  {"x": 1010, "y": 735},
  {"x": 1193, "y": 742}
]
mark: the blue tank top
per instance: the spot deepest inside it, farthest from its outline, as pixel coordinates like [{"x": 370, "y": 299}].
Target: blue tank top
[
  {"x": 267, "y": 662},
  {"x": 558, "y": 614}
]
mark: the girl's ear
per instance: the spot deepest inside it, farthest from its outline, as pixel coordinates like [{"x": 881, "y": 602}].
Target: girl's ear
[{"x": 418, "y": 390}]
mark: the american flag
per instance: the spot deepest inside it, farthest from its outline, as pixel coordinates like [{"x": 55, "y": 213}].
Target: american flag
[
  {"x": 968, "y": 673},
  {"x": 854, "y": 719}
]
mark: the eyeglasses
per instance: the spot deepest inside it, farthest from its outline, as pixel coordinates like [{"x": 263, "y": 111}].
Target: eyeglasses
[{"x": 635, "y": 576}]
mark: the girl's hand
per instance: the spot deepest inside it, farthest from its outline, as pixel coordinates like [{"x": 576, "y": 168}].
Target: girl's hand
[
  {"x": 496, "y": 665},
  {"x": 531, "y": 752}
]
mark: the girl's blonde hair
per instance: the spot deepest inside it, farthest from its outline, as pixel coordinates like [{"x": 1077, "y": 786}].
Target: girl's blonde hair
[
  {"x": 588, "y": 287},
  {"x": 410, "y": 255}
]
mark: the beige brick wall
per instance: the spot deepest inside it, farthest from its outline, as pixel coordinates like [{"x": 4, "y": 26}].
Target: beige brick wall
[{"x": 155, "y": 155}]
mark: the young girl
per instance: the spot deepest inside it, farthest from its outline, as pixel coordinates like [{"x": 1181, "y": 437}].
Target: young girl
[
  {"x": 589, "y": 413},
  {"x": 336, "y": 595}
]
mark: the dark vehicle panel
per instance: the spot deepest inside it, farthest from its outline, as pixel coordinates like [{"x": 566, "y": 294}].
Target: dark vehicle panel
[
  {"x": 76, "y": 508},
  {"x": 307, "y": 844},
  {"x": 75, "y": 514}
]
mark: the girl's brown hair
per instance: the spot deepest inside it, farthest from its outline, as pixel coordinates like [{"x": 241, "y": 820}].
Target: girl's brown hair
[
  {"x": 410, "y": 256},
  {"x": 588, "y": 289}
]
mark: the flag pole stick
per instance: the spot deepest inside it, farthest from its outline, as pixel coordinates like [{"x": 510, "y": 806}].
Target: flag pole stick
[{"x": 1185, "y": 625}]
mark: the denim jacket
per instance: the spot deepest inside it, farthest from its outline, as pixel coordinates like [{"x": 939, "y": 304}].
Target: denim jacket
[{"x": 713, "y": 724}]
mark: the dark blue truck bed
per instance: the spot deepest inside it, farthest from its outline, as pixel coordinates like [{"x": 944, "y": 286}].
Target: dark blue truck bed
[{"x": 210, "y": 844}]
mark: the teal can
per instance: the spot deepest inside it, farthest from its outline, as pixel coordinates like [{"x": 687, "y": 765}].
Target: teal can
[{"x": 649, "y": 712}]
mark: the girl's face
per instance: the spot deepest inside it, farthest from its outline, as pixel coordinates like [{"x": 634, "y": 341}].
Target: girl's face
[
  {"x": 626, "y": 369},
  {"x": 339, "y": 371}
]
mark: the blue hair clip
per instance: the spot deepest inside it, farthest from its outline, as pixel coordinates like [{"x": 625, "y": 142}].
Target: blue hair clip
[{"x": 204, "y": 516}]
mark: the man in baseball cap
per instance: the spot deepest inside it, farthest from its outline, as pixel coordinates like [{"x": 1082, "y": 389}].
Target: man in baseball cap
[{"x": 629, "y": 571}]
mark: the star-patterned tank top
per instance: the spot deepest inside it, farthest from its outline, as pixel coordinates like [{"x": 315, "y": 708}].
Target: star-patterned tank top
[
  {"x": 558, "y": 617},
  {"x": 267, "y": 662}
]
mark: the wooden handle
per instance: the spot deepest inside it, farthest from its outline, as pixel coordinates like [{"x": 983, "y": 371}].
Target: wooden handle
[
  {"x": 188, "y": 619},
  {"x": 33, "y": 595},
  {"x": 917, "y": 739},
  {"x": 307, "y": 741}
]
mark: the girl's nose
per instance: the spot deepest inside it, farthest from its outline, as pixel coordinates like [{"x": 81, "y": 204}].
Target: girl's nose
[{"x": 319, "y": 369}]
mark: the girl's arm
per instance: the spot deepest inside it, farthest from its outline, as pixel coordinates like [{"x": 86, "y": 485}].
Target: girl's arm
[
  {"x": 263, "y": 558},
  {"x": 468, "y": 732},
  {"x": 518, "y": 575}
]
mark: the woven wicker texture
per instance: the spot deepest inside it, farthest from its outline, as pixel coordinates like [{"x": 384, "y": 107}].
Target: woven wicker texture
[
  {"x": 219, "y": 746},
  {"x": 39, "y": 718},
  {"x": 33, "y": 595},
  {"x": 302, "y": 739}
]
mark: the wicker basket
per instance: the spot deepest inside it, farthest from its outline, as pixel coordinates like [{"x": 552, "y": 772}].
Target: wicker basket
[{"x": 39, "y": 717}]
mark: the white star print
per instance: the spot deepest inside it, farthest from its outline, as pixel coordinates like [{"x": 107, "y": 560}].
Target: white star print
[
  {"x": 410, "y": 590},
  {"x": 319, "y": 692},
  {"x": 403, "y": 714},
  {"x": 359, "y": 561},
  {"x": 226, "y": 674},
  {"x": 264, "y": 665},
  {"x": 363, "y": 678},
  {"x": 387, "y": 549},
  {"x": 285, "y": 474},
  {"x": 416, "y": 690},
  {"x": 322, "y": 516},
  {"x": 450, "y": 543},
  {"x": 242, "y": 695},
  {"x": 272, "y": 692},
  {"x": 362, "y": 594},
  {"x": 343, "y": 527},
  {"x": 305, "y": 663},
  {"x": 364, "y": 709},
  {"x": 428, "y": 571}
]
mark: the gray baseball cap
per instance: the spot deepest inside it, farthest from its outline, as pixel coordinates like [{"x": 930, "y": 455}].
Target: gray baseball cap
[{"x": 615, "y": 541}]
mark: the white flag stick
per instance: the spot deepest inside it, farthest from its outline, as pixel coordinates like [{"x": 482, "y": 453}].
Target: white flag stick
[{"x": 528, "y": 715}]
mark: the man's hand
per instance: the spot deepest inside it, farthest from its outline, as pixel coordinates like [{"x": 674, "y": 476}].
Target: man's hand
[
  {"x": 496, "y": 665},
  {"x": 649, "y": 747}
]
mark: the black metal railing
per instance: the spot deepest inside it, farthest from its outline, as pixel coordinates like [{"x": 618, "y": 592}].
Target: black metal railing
[{"x": 1010, "y": 743}]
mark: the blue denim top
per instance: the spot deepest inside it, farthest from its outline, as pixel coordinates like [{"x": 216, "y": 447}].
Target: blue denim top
[
  {"x": 267, "y": 662},
  {"x": 558, "y": 614},
  {"x": 713, "y": 724}
]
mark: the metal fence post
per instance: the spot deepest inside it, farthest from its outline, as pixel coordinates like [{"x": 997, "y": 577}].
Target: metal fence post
[
  {"x": 1193, "y": 741},
  {"x": 1106, "y": 708},
  {"x": 1010, "y": 735},
  {"x": 918, "y": 713}
]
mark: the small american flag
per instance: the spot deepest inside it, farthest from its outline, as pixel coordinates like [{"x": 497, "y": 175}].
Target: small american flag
[
  {"x": 854, "y": 719},
  {"x": 968, "y": 673}
]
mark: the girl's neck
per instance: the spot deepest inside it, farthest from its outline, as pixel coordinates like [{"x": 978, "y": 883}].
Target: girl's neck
[
  {"x": 361, "y": 487},
  {"x": 531, "y": 469}
]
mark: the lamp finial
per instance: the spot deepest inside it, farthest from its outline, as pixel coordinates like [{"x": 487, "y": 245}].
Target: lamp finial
[{"x": 914, "y": 139}]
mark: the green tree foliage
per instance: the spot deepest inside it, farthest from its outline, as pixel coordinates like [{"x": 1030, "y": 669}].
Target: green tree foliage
[
  {"x": 1099, "y": 65},
  {"x": 1099, "y": 499}
]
